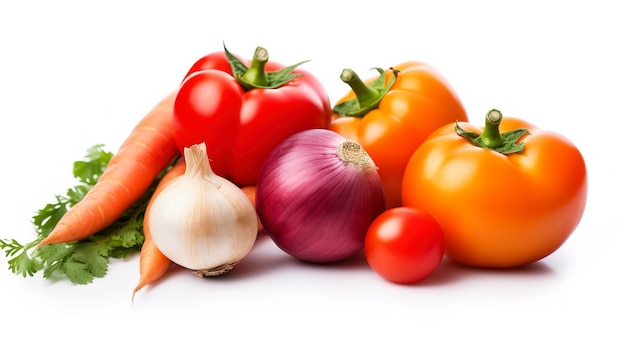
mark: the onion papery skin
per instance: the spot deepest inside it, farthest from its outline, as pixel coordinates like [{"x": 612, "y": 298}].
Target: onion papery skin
[{"x": 311, "y": 203}]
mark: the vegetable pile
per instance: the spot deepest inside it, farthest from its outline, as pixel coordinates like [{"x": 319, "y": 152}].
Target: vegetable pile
[{"x": 394, "y": 170}]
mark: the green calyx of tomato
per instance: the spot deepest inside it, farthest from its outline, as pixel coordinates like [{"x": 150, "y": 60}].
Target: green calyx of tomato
[
  {"x": 491, "y": 138},
  {"x": 367, "y": 97},
  {"x": 255, "y": 76}
]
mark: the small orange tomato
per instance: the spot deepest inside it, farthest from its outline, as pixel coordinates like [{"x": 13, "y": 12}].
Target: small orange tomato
[
  {"x": 502, "y": 199},
  {"x": 393, "y": 114}
]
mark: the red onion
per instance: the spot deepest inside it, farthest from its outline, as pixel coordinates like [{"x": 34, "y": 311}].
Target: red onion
[{"x": 317, "y": 193}]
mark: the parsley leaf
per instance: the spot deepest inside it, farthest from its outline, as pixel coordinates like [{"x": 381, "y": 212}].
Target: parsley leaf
[
  {"x": 84, "y": 260},
  {"x": 21, "y": 262}
]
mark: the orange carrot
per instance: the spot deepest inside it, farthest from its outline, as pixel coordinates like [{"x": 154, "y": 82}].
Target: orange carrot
[
  {"x": 152, "y": 263},
  {"x": 251, "y": 193},
  {"x": 149, "y": 148}
]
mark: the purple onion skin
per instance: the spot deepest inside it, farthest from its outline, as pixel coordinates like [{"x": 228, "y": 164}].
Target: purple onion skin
[{"x": 314, "y": 206}]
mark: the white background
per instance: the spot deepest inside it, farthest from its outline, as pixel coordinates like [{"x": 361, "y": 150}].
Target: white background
[{"x": 73, "y": 74}]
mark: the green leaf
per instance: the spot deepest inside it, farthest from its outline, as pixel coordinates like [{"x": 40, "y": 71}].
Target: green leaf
[
  {"x": 24, "y": 265},
  {"x": 55, "y": 253},
  {"x": 21, "y": 262},
  {"x": 237, "y": 67},
  {"x": 78, "y": 272},
  {"x": 11, "y": 247},
  {"x": 95, "y": 259},
  {"x": 89, "y": 171},
  {"x": 46, "y": 219},
  {"x": 510, "y": 145},
  {"x": 283, "y": 76}
]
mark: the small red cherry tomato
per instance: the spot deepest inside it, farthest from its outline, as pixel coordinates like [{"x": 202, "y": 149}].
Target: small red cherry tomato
[{"x": 404, "y": 245}]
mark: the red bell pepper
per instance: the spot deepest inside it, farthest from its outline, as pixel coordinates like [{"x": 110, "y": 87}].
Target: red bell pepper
[{"x": 243, "y": 109}]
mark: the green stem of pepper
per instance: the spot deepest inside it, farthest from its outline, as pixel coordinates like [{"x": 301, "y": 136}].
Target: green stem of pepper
[
  {"x": 256, "y": 75},
  {"x": 367, "y": 97},
  {"x": 491, "y": 136},
  {"x": 364, "y": 94}
]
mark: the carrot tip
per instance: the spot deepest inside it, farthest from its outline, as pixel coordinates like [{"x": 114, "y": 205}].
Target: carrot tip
[{"x": 132, "y": 298}]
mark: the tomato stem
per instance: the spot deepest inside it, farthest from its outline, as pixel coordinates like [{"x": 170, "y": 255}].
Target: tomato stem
[
  {"x": 364, "y": 94},
  {"x": 256, "y": 75},
  {"x": 491, "y": 136},
  {"x": 367, "y": 97}
]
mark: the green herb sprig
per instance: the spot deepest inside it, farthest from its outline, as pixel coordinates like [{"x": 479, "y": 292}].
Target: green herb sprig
[{"x": 79, "y": 261}]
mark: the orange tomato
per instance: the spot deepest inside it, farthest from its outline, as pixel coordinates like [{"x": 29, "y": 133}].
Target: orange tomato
[
  {"x": 391, "y": 123},
  {"x": 498, "y": 210}
]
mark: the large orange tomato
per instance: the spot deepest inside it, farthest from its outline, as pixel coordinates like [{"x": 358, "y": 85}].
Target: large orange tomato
[
  {"x": 390, "y": 116},
  {"x": 502, "y": 199}
]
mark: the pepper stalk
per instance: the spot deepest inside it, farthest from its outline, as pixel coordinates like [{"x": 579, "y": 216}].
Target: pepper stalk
[
  {"x": 491, "y": 137},
  {"x": 367, "y": 97},
  {"x": 256, "y": 72},
  {"x": 256, "y": 76}
]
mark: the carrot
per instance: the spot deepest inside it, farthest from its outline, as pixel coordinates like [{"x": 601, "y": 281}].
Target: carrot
[
  {"x": 251, "y": 193},
  {"x": 152, "y": 263},
  {"x": 148, "y": 149}
]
